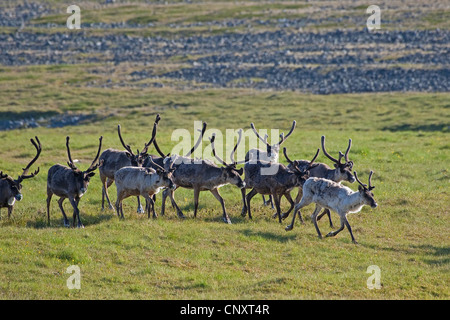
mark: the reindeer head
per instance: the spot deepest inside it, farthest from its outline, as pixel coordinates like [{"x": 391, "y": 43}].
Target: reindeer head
[
  {"x": 137, "y": 160},
  {"x": 366, "y": 192},
  {"x": 274, "y": 150},
  {"x": 302, "y": 175},
  {"x": 82, "y": 178},
  {"x": 230, "y": 173},
  {"x": 164, "y": 176},
  {"x": 15, "y": 185},
  {"x": 343, "y": 170}
]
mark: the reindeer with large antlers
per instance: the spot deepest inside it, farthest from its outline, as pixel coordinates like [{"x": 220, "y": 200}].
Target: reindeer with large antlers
[
  {"x": 278, "y": 184},
  {"x": 70, "y": 183},
  {"x": 11, "y": 189},
  {"x": 336, "y": 197},
  {"x": 204, "y": 175},
  {"x": 271, "y": 154},
  {"x": 114, "y": 159},
  {"x": 342, "y": 172}
]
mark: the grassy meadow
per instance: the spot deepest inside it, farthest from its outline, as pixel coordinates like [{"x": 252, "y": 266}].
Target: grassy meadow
[{"x": 403, "y": 137}]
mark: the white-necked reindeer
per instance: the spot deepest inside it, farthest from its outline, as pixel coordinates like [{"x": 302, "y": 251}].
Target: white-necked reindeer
[{"x": 336, "y": 197}]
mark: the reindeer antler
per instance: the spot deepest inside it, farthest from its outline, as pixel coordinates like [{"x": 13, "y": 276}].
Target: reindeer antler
[
  {"x": 283, "y": 138},
  {"x": 365, "y": 185},
  {"x": 96, "y": 164},
  {"x": 212, "y": 139},
  {"x": 144, "y": 151},
  {"x": 199, "y": 140},
  {"x": 70, "y": 162},
  {"x": 24, "y": 175}
]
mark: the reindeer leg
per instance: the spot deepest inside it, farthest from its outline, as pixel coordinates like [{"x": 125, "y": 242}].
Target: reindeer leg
[
  {"x": 344, "y": 217},
  {"x": 314, "y": 218},
  {"x": 49, "y": 199},
  {"x": 10, "y": 211},
  {"x": 76, "y": 212},
  {"x": 333, "y": 233},
  {"x": 329, "y": 217},
  {"x": 60, "y": 203},
  {"x": 249, "y": 197},
  {"x": 140, "y": 209},
  {"x": 108, "y": 182},
  {"x": 244, "y": 207},
  {"x": 150, "y": 203},
  {"x": 174, "y": 204},
  {"x": 289, "y": 198},
  {"x": 303, "y": 203},
  {"x": 196, "y": 195},
  {"x": 225, "y": 216},
  {"x": 277, "y": 199}
]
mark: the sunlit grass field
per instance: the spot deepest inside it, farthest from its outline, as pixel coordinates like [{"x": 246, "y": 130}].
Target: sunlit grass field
[{"x": 403, "y": 137}]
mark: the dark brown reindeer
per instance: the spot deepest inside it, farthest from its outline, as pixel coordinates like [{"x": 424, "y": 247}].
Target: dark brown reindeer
[
  {"x": 278, "y": 184},
  {"x": 271, "y": 154},
  {"x": 166, "y": 158},
  {"x": 342, "y": 172},
  {"x": 205, "y": 175},
  {"x": 114, "y": 159},
  {"x": 70, "y": 183},
  {"x": 11, "y": 189}
]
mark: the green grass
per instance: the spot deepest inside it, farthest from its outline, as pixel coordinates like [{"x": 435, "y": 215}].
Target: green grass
[{"x": 403, "y": 137}]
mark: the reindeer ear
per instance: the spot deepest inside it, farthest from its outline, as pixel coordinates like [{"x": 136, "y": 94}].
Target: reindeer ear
[
  {"x": 129, "y": 155},
  {"x": 240, "y": 171},
  {"x": 336, "y": 165},
  {"x": 91, "y": 174},
  {"x": 360, "y": 188}
]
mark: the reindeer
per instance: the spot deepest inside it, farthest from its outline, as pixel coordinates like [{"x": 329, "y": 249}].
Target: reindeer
[
  {"x": 163, "y": 159},
  {"x": 138, "y": 181},
  {"x": 71, "y": 183},
  {"x": 114, "y": 159},
  {"x": 205, "y": 175},
  {"x": 341, "y": 172},
  {"x": 271, "y": 154},
  {"x": 278, "y": 184},
  {"x": 336, "y": 197},
  {"x": 11, "y": 189}
]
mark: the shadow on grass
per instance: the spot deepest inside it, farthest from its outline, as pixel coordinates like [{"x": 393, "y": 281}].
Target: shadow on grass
[
  {"x": 430, "y": 254},
  {"x": 58, "y": 222},
  {"x": 271, "y": 236}
]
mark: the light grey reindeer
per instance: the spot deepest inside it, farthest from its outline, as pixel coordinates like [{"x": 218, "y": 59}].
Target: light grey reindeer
[
  {"x": 205, "y": 175},
  {"x": 113, "y": 160},
  {"x": 70, "y": 183},
  {"x": 145, "y": 182},
  {"x": 341, "y": 172},
  {"x": 271, "y": 154},
  {"x": 11, "y": 189},
  {"x": 278, "y": 184},
  {"x": 336, "y": 197}
]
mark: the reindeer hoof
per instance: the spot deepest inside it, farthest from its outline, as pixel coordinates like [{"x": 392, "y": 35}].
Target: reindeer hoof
[
  {"x": 330, "y": 234},
  {"x": 226, "y": 220},
  {"x": 289, "y": 227},
  {"x": 140, "y": 210},
  {"x": 284, "y": 216}
]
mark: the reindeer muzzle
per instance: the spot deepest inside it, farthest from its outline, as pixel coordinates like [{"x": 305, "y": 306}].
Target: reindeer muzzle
[
  {"x": 19, "y": 197},
  {"x": 241, "y": 185},
  {"x": 374, "y": 205},
  {"x": 173, "y": 186}
]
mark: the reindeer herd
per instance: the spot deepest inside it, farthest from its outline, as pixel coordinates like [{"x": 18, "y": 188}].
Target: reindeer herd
[{"x": 143, "y": 175}]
